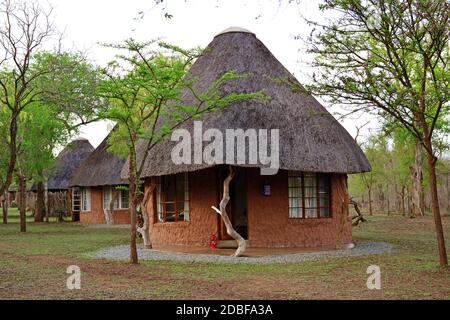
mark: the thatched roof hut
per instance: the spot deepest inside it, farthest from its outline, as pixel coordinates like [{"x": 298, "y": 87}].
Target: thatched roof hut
[
  {"x": 102, "y": 168},
  {"x": 303, "y": 205},
  {"x": 67, "y": 163},
  {"x": 311, "y": 139},
  {"x": 97, "y": 180}
]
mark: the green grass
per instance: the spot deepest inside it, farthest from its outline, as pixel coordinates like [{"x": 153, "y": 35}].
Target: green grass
[
  {"x": 33, "y": 265},
  {"x": 59, "y": 238}
]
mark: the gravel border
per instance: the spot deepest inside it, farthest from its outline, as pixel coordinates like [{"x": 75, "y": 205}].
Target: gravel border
[{"x": 123, "y": 253}]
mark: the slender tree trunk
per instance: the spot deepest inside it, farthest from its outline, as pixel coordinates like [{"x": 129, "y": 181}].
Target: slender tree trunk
[
  {"x": 403, "y": 201},
  {"x": 387, "y": 198},
  {"x": 4, "y": 187},
  {"x": 408, "y": 198},
  {"x": 23, "y": 203},
  {"x": 417, "y": 177},
  {"x": 448, "y": 192},
  {"x": 40, "y": 203},
  {"x": 370, "y": 200},
  {"x": 46, "y": 204},
  {"x": 5, "y": 208},
  {"x": 133, "y": 203},
  {"x": 435, "y": 203}
]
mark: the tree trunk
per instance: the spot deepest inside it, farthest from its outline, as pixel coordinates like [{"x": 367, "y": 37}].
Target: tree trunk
[
  {"x": 133, "y": 203},
  {"x": 5, "y": 205},
  {"x": 40, "y": 203},
  {"x": 417, "y": 177},
  {"x": 387, "y": 198},
  {"x": 46, "y": 204},
  {"x": 22, "y": 203},
  {"x": 403, "y": 201},
  {"x": 109, "y": 211},
  {"x": 144, "y": 230},
  {"x": 448, "y": 192},
  {"x": 435, "y": 203},
  {"x": 370, "y": 200},
  {"x": 242, "y": 245},
  {"x": 342, "y": 194},
  {"x": 4, "y": 187}
]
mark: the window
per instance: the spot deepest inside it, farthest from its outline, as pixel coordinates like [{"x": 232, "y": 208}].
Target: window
[
  {"x": 76, "y": 200},
  {"x": 121, "y": 201},
  {"x": 309, "y": 195},
  {"x": 124, "y": 199},
  {"x": 86, "y": 199},
  {"x": 172, "y": 198}
]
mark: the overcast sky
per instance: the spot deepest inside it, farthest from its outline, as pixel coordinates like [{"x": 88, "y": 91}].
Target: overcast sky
[{"x": 194, "y": 23}]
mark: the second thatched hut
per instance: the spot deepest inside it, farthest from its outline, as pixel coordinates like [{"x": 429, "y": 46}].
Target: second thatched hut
[{"x": 99, "y": 182}]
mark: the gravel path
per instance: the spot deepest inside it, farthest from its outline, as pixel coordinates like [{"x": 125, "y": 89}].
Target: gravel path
[{"x": 123, "y": 253}]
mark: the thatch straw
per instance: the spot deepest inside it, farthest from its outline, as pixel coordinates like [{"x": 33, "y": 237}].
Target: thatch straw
[
  {"x": 311, "y": 139},
  {"x": 67, "y": 162},
  {"x": 101, "y": 168}
]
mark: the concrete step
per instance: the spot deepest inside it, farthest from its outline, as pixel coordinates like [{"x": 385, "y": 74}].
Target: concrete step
[{"x": 229, "y": 244}]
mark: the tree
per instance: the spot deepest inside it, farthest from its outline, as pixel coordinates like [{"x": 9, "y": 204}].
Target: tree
[
  {"x": 24, "y": 29},
  {"x": 389, "y": 57},
  {"x": 144, "y": 89},
  {"x": 40, "y": 132}
]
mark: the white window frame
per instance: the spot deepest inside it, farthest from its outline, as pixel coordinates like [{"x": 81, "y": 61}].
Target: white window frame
[
  {"x": 76, "y": 199},
  {"x": 86, "y": 199},
  {"x": 118, "y": 203}
]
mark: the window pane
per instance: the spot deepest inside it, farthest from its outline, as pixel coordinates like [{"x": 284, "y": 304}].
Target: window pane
[
  {"x": 106, "y": 197},
  {"x": 173, "y": 198},
  {"x": 314, "y": 192},
  {"x": 324, "y": 212},
  {"x": 324, "y": 201},
  {"x": 124, "y": 199},
  {"x": 311, "y": 212},
  {"x": 295, "y": 212},
  {"x": 76, "y": 199},
  {"x": 295, "y": 194},
  {"x": 159, "y": 205}
]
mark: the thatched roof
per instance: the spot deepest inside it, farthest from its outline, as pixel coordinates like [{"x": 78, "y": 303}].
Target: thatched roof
[
  {"x": 311, "y": 139},
  {"x": 102, "y": 168},
  {"x": 67, "y": 162}
]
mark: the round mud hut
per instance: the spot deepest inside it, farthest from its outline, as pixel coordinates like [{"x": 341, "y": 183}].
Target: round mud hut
[
  {"x": 305, "y": 204},
  {"x": 97, "y": 182}
]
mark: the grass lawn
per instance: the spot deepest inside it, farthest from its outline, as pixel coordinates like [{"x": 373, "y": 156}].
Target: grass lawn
[{"x": 33, "y": 266}]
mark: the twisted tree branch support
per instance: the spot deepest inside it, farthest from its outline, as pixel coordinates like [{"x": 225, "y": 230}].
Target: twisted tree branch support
[
  {"x": 144, "y": 230},
  {"x": 242, "y": 245},
  {"x": 109, "y": 218},
  {"x": 358, "y": 218}
]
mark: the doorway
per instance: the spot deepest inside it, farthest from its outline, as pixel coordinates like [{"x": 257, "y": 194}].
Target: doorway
[{"x": 237, "y": 206}]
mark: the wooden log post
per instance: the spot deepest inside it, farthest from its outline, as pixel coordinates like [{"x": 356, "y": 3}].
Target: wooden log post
[
  {"x": 109, "y": 210},
  {"x": 144, "y": 230},
  {"x": 242, "y": 245}
]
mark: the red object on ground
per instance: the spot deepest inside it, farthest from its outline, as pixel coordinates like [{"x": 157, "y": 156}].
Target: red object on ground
[{"x": 213, "y": 242}]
